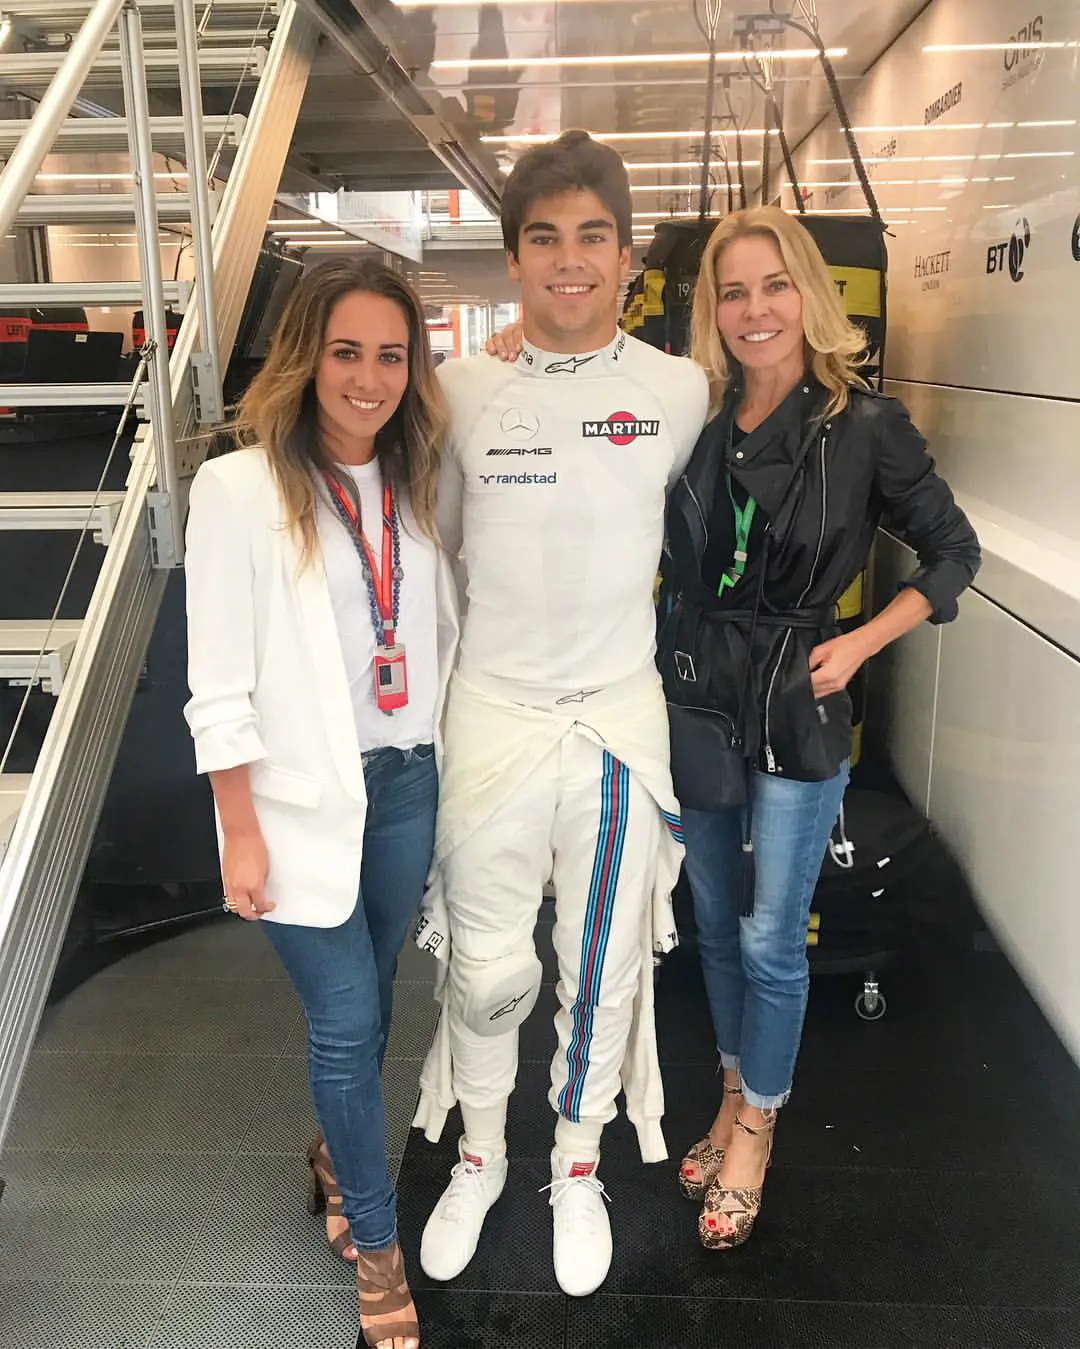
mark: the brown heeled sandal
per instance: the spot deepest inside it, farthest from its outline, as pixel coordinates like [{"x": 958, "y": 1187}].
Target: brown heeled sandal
[
  {"x": 706, "y": 1158},
  {"x": 740, "y": 1206},
  {"x": 383, "y": 1289},
  {"x": 323, "y": 1196}
]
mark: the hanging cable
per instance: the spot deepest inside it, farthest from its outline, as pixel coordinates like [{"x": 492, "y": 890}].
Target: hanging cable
[
  {"x": 709, "y": 28},
  {"x": 812, "y": 32},
  {"x": 764, "y": 82},
  {"x": 738, "y": 143}
]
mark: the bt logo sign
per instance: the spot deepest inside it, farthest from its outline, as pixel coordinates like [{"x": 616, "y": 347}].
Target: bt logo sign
[{"x": 1014, "y": 248}]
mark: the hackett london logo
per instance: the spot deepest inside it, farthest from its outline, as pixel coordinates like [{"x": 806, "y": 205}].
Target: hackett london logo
[
  {"x": 929, "y": 267},
  {"x": 621, "y": 428}
]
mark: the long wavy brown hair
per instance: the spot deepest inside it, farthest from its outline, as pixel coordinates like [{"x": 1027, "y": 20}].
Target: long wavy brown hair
[
  {"x": 834, "y": 344},
  {"x": 279, "y": 411}
]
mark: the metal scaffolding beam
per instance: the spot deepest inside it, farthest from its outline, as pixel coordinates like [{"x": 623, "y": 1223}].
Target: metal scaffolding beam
[
  {"x": 109, "y": 134},
  {"x": 46, "y": 854}
]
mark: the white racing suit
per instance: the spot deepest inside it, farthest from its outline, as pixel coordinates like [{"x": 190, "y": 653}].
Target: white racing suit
[{"x": 556, "y": 749}]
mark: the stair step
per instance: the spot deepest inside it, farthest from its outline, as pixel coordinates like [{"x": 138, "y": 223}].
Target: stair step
[
  {"x": 44, "y": 294},
  {"x": 217, "y": 65},
  {"x": 49, "y": 10},
  {"x": 97, "y": 511},
  {"x": 105, "y": 134},
  {"x": 67, "y": 395},
  {"x": 13, "y": 789},
  {"x": 21, "y": 643},
  {"x": 100, "y": 207}
]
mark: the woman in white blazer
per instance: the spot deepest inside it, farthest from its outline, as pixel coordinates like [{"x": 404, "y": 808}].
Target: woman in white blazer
[{"x": 321, "y": 630}]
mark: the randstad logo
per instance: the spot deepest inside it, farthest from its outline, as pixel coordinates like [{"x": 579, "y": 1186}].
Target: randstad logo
[
  {"x": 621, "y": 428},
  {"x": 518, "y": 479}
]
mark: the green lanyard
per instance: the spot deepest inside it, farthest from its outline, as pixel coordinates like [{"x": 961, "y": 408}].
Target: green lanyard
[{"x": 744, "y": 518}]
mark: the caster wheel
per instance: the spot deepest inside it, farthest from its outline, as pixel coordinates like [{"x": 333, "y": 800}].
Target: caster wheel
[{"x": 871, "y": 1005}]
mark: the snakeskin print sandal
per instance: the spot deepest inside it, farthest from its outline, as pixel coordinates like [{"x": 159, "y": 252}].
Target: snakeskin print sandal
[
  {"x": 704, "y": 1160},
  {"x": 741, "y": 1207}
]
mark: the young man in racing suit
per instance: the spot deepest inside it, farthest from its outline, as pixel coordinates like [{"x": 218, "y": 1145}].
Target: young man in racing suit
[{"x": 556, "y": 745}]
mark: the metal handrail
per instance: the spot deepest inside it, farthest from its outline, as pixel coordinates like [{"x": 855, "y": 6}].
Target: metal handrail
[{"x": 67, "y": 83}]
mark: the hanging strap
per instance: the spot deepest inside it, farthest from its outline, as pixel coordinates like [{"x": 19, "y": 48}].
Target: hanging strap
[
  {"x": 383, "y": 580},
  {"x": 744, "y": 519},
  {"x": 748, "y": 870}
]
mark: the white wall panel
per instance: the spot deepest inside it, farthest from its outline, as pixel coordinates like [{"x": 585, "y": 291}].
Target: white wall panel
[
  {"x": 1006, "y": 794},
  {"x": 983, "y": 322},
  {"x": 903, "y": 683},
  {"x": 1014, "y": 464},
  {"x": 979, "y": 119},
  {"x": 1019, "y": 455}
]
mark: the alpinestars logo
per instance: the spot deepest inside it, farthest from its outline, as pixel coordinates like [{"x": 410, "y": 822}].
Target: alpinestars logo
[
  {"x": 570, "y": 366},
  {"x": 509, "y": 1007},
  {"x": 1016, "y": 248},
  {"x": 621, "y": 428}
]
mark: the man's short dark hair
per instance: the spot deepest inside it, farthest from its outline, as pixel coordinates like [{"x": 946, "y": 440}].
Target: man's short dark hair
[{"x": 575, "y": 160}]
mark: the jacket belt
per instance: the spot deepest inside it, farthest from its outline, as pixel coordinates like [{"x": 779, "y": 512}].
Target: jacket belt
[{"x": 810, "y": 619}]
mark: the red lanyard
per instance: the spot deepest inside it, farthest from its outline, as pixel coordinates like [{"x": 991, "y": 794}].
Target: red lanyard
[{"x": 381, "y": 581}]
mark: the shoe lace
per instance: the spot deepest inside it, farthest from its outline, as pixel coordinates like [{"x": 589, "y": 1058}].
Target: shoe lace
[
  {"x": 572, "y": 1194},
  {"x": 465, "y": 1191}
]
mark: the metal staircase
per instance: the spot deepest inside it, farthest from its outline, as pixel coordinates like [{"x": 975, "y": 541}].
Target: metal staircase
[{"x": 48, "y": 818}]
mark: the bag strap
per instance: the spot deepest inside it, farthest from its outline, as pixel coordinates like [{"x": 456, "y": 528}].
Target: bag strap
[
  {"x": 767, "y": 539},
  {"x": 748, "y": 869}
]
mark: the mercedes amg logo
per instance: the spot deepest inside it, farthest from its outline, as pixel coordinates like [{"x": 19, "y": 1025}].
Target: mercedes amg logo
[{"x": 519, "y": 424}]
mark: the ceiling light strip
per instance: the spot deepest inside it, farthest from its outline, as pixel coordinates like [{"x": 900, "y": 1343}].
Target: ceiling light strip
[{"x": 626, "y": 59}]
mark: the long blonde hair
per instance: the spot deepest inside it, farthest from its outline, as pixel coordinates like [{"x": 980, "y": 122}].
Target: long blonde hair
[
  {"x": 279, "y": 411},
  {"x": 834, "y": 343}
]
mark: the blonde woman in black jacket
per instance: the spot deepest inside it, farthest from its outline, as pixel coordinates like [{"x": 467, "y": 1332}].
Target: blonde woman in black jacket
[{"x": 769, "y": 525}]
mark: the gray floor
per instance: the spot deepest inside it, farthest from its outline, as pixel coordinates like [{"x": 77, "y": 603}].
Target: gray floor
[{"x": 155, "y": 1168}]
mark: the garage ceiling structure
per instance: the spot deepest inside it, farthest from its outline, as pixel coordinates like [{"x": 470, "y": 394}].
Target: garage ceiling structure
[
  {"x": 432, "y": 97},
  {"x": 422, "y": 95}
]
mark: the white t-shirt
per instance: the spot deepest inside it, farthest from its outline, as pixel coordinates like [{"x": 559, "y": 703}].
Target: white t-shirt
[
  {"x": 553, "y": 489},
  {"x": 416, "y": 631}
]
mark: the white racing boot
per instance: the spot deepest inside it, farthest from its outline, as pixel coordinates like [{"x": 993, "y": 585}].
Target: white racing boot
[
  {"x": 452, "y": 1232},
  {"x": 582, "y": 1230}
]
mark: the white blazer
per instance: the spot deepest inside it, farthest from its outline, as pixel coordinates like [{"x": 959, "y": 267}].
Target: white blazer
[{"x": 269, "y": 687}]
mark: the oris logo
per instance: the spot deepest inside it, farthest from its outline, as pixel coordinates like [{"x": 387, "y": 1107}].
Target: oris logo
[
  {"x": 1016, "y": 249},
  {"x": 1019, "y": 57},
  {"x": 621, "y": 428}
]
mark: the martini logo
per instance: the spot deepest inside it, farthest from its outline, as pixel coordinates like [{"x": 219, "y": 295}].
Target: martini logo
[{"x": 621, "y": 428}]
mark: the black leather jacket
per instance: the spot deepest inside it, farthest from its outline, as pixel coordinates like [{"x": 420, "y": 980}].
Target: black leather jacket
[{"x": 864, "y": 464}]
